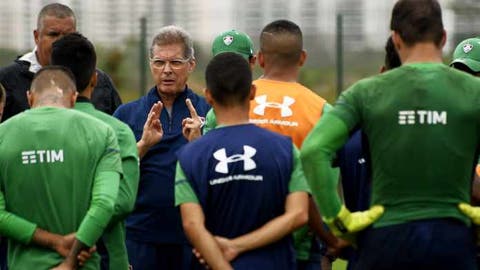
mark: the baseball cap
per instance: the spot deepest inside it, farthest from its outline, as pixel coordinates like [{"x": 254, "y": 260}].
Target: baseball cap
[
  {"x": 233, "y": 41},
  {"x": 468, "y": 53}
]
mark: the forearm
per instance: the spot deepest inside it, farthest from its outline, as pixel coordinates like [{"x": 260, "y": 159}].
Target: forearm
[
  {"x": 193, "y": 222},
  {"x": 204, "y": 242},
  {"x": 72, "y": 258},
  {"x": 101, "y": 209},
  {"x": 276, "y": 228},
  {"x": 127, "y": 192},
  {"x": 13, "y": 226},
  {"x": 315, "y": 222},
  {"x": 142, "y": 148},
  {"x": 317, "y": 154}
]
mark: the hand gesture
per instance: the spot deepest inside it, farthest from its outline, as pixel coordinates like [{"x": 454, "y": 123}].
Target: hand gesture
[
  {"x": 192, "y": 126},
  {"x": 152, "y": 129}
]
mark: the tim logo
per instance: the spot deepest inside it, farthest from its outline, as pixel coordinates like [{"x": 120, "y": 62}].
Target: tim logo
[
  {"x": 42, "y": 156},
  {"x": 246, "y": 157},
  {"x": 422, "y": 117},
  {"x": 284, "y": 107}
]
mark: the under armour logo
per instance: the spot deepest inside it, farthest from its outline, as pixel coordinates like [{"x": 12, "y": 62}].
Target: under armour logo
[
  {"x": 284, "y": 107},
  {"x": 248, "y": 162}
]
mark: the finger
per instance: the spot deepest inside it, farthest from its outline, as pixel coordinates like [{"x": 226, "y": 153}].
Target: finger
[
  {"x": 158, "y": 107},
  {"x": 193, "y": 112}
]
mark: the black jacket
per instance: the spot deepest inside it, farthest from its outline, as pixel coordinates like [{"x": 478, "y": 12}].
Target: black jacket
[{"x": 16, "y": 79}]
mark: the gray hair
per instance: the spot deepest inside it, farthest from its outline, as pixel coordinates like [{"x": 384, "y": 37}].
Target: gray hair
[
  {"x": 173, "y": 34},
  {"x": 56, "y": 10}
]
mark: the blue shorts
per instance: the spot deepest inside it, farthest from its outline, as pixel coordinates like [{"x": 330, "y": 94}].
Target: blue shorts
[{"x": 425, "y": 244}]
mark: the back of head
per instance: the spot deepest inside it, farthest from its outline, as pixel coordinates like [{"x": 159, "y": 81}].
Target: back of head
[
  {"x": 229, "y": 79},
  {"x": 233, "y": 41},
  {"x": 392, "y": 60},
  {"x": 281, "y": 42},
  {"x": 173, "y": 34},
  {"x": 418, "y": 21},
  {"x": 466, "y": 56},
  {"x": 53, "y": 85},
  {"x": 56, "y": 10},
  {"x": 77, "y": 53}
]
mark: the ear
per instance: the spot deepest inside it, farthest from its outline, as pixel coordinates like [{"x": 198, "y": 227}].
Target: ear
[
  {"x": 252, "y": 60},
  {"x": 261, "y": 59},
  {"x": 253, "y": 91},
  {"x": 30, "y": 98},
  {"x": 192, "y": 65},
  {"x": 303, "y": 58},
  {"x": 397, "y": 41},
  {"x": 383, "y": 69},
  {"x": 93, "y": 80},
  {"x": 73, "y": 99},
  {"x": 444, "y": 38},
  {"x": 208, "y": 96},
  {"x": 36, "y": 36}
]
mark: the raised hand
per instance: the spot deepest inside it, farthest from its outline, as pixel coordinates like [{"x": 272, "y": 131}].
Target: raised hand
[
  {"x": 192, "y": 126},
  {"x": 152, "y": 130}
]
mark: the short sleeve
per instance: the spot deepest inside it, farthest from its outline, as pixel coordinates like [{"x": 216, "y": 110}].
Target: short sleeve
[{"x": 183, "y": 190}]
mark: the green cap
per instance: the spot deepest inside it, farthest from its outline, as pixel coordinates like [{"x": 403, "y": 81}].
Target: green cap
[
  {"x": 468, "y": 53},
  {"x": 233, "y": 41}
]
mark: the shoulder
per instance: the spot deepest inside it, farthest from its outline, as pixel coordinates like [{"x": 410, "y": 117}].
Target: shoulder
[
  {"x": 130, "y": 109},
  {"x": 13, "y": 70}
]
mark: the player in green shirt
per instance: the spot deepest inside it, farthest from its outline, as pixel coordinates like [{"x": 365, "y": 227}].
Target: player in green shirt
[
  {"x": 59, "y": 174},
  {"x": 422, "y": 122},
  {"x": 78, "y": 54}
]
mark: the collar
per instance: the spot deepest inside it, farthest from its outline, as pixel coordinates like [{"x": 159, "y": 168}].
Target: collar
[
  {"x": 31, "y": 58},
  {"x": 83, "y": 99}
]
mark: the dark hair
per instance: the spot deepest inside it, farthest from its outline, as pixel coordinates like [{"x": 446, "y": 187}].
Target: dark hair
[
  {"x": 53, "y": 77},
  {"x": 229, "y": 78},
  {"x": 418, "y": 21},
  {"x": 392, "y": 60},
  {"x": 77, "y": 53},
  {"x": 56, "y": 10},
  {"x": 282, "y": 41}
]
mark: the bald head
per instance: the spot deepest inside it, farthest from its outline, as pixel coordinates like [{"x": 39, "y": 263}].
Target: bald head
[
  {"x": 282, "y": 43},
  {"x": 53, "y": 86}
]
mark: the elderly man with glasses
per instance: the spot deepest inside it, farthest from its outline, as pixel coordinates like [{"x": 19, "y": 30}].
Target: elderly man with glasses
[{"x": 155, "y": 238}]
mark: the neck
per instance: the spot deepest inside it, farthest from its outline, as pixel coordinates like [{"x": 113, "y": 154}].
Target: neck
[
  {"x": 421, "y": 52},
  {"x": 228, "y": 116},
  {"x": 87, "y": 93},
  {"x": 168, "y": 99},
  {"x": 287, "y": 74}
]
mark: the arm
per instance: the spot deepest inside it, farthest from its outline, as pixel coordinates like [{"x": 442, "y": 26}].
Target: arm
[
  {"x": 25, "y": 232},
  {"x": 128, "y": 187},
  {"x": 317, "y": 153},
  {"x": 335, "y": 245},
  {"x": 296, "y": 215},
  {"x": 152, "y": 130},
  {"x": 193, "y": 222}
]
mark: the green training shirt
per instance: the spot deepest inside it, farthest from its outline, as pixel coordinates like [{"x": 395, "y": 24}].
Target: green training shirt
[
  {"x": 422, "y": 122},
  {"x": 59, "y": 170},
  {"x": 114, "y": 235}
]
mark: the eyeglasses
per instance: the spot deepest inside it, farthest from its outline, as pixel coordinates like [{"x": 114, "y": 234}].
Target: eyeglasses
[{"x": 174, "y": 64}]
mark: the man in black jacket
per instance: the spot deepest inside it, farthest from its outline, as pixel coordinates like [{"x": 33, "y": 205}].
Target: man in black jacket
[{"x": 54, "y": 21}]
